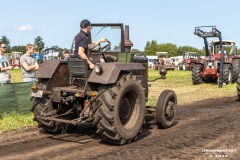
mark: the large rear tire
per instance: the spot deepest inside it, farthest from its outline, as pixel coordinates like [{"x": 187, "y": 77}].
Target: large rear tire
[
  {"x": 121, "y": 110},
  {"x": 227, "y": 73},
  {"x": 166, "y": 109},
  {"x": 197, "y": 74},
  {"x": 235, "y": 70}
]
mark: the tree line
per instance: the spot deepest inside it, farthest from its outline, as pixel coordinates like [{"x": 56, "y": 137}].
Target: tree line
[
  {"x": 150, "y": 49},
  {"x": 38, "y": 42}
]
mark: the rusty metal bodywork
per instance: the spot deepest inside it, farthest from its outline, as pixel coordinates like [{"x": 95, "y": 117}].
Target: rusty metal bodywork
[
  {"x": 53, "y": 74},
  {"x": 69, "y": 91},
  {"x": 112, "y": 70}
]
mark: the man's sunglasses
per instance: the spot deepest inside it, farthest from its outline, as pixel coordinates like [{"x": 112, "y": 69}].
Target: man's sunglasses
[{"x": 4, "y": 47}]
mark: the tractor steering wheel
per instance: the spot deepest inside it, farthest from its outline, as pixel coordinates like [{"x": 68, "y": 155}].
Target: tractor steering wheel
[{"x": 104, "y": 49}]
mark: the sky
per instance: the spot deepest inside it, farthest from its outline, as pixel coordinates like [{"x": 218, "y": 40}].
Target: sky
[{"x": 166, "y": 21}]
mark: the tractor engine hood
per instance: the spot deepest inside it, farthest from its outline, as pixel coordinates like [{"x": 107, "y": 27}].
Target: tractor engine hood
[{"x": 111, "y": 72}]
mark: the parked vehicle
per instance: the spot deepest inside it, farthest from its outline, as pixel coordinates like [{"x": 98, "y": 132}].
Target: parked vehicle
[
  {"x": 177, "y": 60},
  {"x": 189, "y": 60},
  {"x": 15, "y": 59},
  {"x": 230, "y": 56},
  {"x": 214, "y": 65},
  {"x": 151, "y": 60}
]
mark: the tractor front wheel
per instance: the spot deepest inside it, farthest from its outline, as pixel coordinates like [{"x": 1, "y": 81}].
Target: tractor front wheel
[{"x": 166, "y": 109}]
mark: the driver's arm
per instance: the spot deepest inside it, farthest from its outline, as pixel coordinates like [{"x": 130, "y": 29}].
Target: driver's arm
[
  {"x": 93, "y": 45},
  {"x": 82, "y": 55}
]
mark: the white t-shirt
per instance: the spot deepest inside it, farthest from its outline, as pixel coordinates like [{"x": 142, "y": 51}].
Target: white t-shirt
[{"x": 4, "y": 75}]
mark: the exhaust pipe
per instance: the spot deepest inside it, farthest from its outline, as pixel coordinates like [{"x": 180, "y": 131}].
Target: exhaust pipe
[{"x": 128, "y": 43}]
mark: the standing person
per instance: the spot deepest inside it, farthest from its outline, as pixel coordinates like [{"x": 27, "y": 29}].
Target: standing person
[
  {"x": 80, "y": 44},
  {"x": 5, "y": 67},
  {"x": 29, "y": 65}
]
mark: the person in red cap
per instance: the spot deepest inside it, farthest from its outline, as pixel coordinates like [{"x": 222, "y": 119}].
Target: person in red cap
[{"x": 80, "y": 44}]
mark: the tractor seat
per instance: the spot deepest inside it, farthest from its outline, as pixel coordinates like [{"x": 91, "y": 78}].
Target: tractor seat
[
  {"x": 78, "y": 72},
  {"x": 77, "y": 67}
]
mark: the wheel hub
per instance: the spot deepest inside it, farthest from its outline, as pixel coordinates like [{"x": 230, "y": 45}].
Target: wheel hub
[{"x": 169, "y": 110}]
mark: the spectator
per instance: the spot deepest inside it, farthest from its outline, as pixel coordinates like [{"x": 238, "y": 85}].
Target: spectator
[
  {"x": 29, "y": 64},
  {"x": 66, "y": 55},
  {"x": 61, "y": 55},
  {"x": 4, "y": 65}
]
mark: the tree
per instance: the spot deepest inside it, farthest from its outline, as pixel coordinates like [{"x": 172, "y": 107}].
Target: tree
[
  {"x": 135, "y": 50},
  {"x": 5, "y": 40},
  {"x": 151, "y": 48},
  {"x": 183, "y": 49},
  {"x": 59, "y": 48},
  {"x": 39, "y": 43},
  {"x": 168, "y": 47},
  {"x": 19, "y": 49}
]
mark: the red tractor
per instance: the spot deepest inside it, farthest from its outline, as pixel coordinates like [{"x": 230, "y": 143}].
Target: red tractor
[
  {"x": 214, "y": 65},
  {"x": 15, "y": 59},
  {"x": 230, "y": 56},
  {"x": 189, "y": 60}
]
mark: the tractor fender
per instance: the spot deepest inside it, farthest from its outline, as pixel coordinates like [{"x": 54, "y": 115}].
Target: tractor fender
[
  {"x": 47, "y": 69},
  {"x": 111, "y": 71}
]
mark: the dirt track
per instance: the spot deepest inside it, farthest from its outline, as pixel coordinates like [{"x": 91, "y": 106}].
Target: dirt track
[{"x": 200, "y": 128}]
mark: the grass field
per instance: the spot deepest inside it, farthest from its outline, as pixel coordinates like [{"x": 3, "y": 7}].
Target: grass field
[
  {"x": 179, "y": 81},
  {"x": 16, "y": 75}
]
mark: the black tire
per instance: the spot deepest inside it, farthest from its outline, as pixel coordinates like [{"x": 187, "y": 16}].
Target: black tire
[
  {"x": 117, "y": 124},
  {"x": 238, "y": 87},
  {"x": 235, "y": 70},
  {"x": 166, "y": 109},
  {"x": 227, "y": 73},
  {"x": 196, "y": 74},
  {"x": 46, "y": 126}
]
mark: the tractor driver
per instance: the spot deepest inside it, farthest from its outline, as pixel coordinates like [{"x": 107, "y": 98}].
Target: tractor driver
[{"x": 80, "y": 44}]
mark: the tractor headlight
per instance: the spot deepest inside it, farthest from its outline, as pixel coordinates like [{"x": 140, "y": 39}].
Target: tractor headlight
[
  {"x": 98, "y": 69},
  {"x": 34, "y": 88}
]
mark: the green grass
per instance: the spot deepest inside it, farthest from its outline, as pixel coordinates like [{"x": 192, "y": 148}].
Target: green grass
[
  {"x": 16, "y": 75},
  {"x": 181, "y": 83},
  {"x": 15, "y": 121}
]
